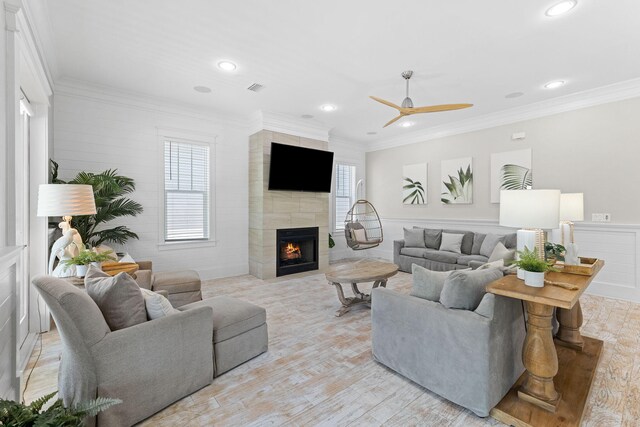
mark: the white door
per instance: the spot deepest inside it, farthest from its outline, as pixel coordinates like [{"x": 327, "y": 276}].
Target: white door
[{"x": 22, "y": 219}]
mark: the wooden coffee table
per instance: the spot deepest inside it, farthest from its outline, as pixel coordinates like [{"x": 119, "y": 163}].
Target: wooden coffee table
[{"x": 359, "y": 271}]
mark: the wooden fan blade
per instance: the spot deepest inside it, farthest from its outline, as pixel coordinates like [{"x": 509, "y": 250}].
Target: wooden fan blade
[
  {"x": 385, "y": 102},
  {"x": 436, "y": 108},
  {"x": 393, "y": 120}
]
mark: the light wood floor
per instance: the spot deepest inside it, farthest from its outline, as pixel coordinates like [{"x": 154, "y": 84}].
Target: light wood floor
[{"x": 319, "y": 370}]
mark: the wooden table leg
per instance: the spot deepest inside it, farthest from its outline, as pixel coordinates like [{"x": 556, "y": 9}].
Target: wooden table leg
[
  {"x": 540, "y": 359},
  {"x": 569, "y": 332}
]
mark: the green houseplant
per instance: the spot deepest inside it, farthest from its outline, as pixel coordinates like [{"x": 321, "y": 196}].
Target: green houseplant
[
  {"x": 86, "y": 257},
  {"x": 554, "y": 251},
  {"x": 110, "y": 190},
  {"x": 533, "y": 267},
  {"x": 16, "y": 414}
]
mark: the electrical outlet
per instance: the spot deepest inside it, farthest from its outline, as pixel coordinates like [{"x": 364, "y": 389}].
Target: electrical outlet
[
  {"x": 607, "y": 217},
  {"x": 601, "y": 217}
]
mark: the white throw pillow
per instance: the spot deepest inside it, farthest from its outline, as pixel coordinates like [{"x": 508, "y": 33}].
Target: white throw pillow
[
  {"x": 493, "y": 264},
  {"x": 157, "y": 305},
  {"x": 359, "y": 235},
  {"x": 501, "y": 252},
  {"x": 127, "y": 258},
  {"x": 451, "y": 242}
]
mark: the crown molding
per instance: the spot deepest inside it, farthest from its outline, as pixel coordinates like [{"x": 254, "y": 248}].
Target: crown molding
[
  {"x": 35, "y": 47},
  {"x": 602, "y": 95},
  {"x": 110, "y": 95},
  {"x": 289, "y": 124}
]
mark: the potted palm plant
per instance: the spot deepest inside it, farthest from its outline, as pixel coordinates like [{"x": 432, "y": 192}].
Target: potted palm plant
[{"x": 534, "y": 267}]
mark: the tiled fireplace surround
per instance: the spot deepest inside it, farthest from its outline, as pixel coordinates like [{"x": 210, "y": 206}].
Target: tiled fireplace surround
[{"x": 272, "y": 210}]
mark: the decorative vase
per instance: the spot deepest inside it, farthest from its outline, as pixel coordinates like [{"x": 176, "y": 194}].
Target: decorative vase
[
  {"x": 81, "y": 270},
  {"x": 534, "y": 278}
]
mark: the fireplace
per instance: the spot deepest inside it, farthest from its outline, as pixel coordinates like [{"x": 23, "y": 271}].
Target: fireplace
[{"x": 296, "y": 250}]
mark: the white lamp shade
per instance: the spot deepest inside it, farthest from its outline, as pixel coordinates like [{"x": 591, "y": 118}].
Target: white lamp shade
[
  {"x": 530, "y": 208},
  {"x": 571, "y": 207},
  {"x": 65, "y": 200}
]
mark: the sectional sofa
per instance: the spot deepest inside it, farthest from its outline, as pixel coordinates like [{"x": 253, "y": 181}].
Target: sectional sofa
[{"x": 427, "y": 248}]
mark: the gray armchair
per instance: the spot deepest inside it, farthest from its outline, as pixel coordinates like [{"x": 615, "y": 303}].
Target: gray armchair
[
  {"x": 471, "y": 358},
  {"x": 148, "y": 366}
]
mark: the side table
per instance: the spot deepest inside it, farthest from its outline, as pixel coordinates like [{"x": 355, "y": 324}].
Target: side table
[{"x": 555, "y": 386}]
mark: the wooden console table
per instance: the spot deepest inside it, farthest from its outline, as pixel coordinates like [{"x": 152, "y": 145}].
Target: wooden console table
[{"x": 555, "y": 386}]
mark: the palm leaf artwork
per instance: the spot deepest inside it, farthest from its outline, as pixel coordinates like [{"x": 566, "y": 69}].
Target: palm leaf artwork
[
  {"x": 515, "y": 177},
  {"x": 109, "y": 190},
  {"x": 415, "y": 192},
  {"x": 460, "y": 188}
]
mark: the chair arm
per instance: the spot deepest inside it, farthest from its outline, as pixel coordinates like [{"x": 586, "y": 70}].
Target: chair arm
[
  {"x": 144, "y": 278},
  {"x": 181, "y": 343},
  {"x": 144, "y": 265},
  {"x": 397, "y": 245}
]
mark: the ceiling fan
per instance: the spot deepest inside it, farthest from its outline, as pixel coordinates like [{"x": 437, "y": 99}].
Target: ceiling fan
[{"x": 408, "y": 109}]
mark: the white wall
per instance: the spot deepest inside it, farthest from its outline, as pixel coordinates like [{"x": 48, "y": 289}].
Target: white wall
[
  {"x": 593, "y": 150},
  {"x": 95, "y": 131},
  {"x": 351, "y": 153}
]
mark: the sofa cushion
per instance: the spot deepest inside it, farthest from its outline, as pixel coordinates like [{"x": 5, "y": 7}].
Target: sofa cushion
[
  {"x": 441, "y": 256},
  {"x": 119, "y": 298},
  {"x": 467, "y": 240},
  {"x": 177, "y": 281},
  {"x": 415, "y": 252},
  {"x": 427, "y": 284},
  {"x": 465, "y": 259},
  {"x": 489, "y": 243},
  {"x": 501, "y": 252},
  {"x": 157, "y": 305},
  {"x": 414, "y": 238},
  {"x": 231, "y": 316},
  {"x": 511, "y": 240},
  {"x": 465, "y": 289},
  {"x": 432, "y": 238},
  {"x": 478, "y": 238},
  {"x": 451, "y": 242}
]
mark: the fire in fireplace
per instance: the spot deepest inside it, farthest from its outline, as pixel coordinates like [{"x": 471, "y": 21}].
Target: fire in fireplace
[{"x": 297, "y": 250}]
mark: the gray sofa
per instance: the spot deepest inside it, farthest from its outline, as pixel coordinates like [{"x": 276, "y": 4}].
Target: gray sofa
[
  {"x": 430, "y": 256},
  {"x": 152, "y": 364},
  {"x": 471, "y": 358}
]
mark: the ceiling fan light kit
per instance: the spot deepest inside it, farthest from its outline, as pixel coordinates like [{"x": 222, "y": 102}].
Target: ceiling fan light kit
[{"x": 407, "y": 108}]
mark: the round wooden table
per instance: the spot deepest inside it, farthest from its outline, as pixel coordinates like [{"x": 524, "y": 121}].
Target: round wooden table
[{"x": 359, "y": 271}]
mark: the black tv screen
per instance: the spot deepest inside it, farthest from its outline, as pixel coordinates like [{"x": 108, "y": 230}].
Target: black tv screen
[{"x": 300, "y": 169}]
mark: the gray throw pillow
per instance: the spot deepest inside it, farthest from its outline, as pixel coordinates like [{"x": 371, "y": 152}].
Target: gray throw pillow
[
  {"x": 427, "y": 284},
  {"x": 467, "y": 240},
  {"x": 451, "y": 242},
  {"x": 432, "y": 237},
  {"x": 414, "y": 238},
  {"x": 119, "y": 298},
  {"x": 478, "y": 238},
  {"x": 489, "y": 243},
  {"x": 511, "y": 240},
  {"x": 465, "y": 289},
  {"x": 501, "y": 252}
]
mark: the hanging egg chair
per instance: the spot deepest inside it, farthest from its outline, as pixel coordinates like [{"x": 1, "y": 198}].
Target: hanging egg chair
[{"x": 362, "y": 226}]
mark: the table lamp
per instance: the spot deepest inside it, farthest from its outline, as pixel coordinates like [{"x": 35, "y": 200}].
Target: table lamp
[
  {"x": 532, "y": 211},
  {"x": 571, "y": 209},
  {"x": 65, "y": 200}
]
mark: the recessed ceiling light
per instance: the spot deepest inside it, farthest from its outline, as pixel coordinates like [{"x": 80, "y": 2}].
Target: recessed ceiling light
[
  {"x": 307, "y": 116},
  {"x": 560, "y": 8},
  {"x": 202, "y": 89},
  {"x": 406, "y": 124},
  {"x": 372, "y": 133},
  {"x": 328, "y": 107},
  {"x": 514, "y": 95},
  {"x": 554, "y": 85},
  {"x": 226, "y": 66}
]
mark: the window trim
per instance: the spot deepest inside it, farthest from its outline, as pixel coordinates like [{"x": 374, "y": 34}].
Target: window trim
[
  {"x": 188, "y": 138},
  {"x": 335, "y": 195}
]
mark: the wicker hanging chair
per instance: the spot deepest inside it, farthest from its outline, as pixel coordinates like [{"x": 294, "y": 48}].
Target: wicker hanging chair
[{"x": 362, "y": 226}]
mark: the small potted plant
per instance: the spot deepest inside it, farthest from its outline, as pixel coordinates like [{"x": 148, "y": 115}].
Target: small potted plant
[
  {"x": 86, "y": 257},
  {"x": 534, "y": 267}
]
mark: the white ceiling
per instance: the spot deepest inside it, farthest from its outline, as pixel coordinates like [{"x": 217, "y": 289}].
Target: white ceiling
[{"x": 310, "y": 52}]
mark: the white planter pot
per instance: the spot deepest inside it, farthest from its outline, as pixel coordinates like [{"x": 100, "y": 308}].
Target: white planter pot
[
  {"x": 81, "y": 270},
  {"x": 534, "y": 279}
]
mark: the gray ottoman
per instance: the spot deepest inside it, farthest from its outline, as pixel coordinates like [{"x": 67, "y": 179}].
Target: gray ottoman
[
  {"x": 183, "y": 286},
  {"x": 239, "y": 331}
]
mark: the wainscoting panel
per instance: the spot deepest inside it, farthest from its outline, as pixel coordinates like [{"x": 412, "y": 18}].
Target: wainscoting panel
[
  {"x": 617, "y": 244},
  {"x": 9, "y": 382}
]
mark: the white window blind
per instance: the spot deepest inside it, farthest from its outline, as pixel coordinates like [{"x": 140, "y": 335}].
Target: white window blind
[
  {"x": 186, "y": 191},
  {"x": 345, "y": 192}
]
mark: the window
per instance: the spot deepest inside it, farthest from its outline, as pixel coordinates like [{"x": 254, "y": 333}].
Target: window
[
  {"x": 186, "y": 191},
  {"x": 345, "y": 192}
]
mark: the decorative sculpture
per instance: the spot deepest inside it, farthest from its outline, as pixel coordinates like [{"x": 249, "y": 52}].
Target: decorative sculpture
[{"x": 66, "y": 247}]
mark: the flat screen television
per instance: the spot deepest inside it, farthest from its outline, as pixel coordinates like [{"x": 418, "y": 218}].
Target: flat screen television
[{"x": 300, "y": 169}]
